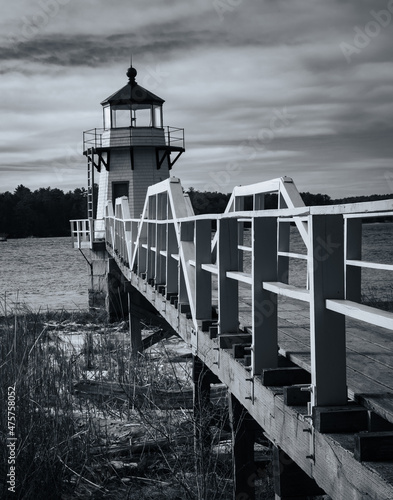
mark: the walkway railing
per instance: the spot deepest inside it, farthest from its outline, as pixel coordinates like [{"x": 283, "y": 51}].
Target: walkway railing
[{"x": 211, "y": 263}]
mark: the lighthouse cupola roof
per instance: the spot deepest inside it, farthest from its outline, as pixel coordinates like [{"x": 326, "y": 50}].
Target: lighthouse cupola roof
[{"x": 132, "y": 93}]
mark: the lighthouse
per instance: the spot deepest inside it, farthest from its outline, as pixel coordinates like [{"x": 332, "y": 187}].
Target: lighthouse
[{"x": 131, "y": 151}]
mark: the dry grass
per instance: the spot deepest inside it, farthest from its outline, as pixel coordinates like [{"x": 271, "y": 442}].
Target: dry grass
[{"x": 120, "y": 442}]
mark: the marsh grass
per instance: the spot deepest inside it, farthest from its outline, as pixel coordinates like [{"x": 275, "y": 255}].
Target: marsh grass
[
  {"x": 70, "y": 445},
  {"x": 45, "y": 429}
]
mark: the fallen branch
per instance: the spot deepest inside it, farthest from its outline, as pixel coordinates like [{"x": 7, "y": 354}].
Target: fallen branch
[
  {"x": 81, "y": 477},
  {"x": 141, "y": 395}
]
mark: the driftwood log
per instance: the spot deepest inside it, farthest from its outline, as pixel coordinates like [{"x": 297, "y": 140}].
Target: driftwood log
[{"x": 145, "y": 395}]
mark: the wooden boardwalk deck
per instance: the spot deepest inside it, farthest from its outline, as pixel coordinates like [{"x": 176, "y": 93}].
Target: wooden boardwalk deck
[
  {"x": 369, "y": 356},
  {"x": 290, "y": 355}
]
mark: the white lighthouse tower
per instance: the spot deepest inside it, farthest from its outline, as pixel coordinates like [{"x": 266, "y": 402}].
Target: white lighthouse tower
[{"x": 132, "y": 151}]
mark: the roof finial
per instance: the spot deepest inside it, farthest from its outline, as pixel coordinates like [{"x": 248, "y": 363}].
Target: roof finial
[{"x": 131, "y": 73}]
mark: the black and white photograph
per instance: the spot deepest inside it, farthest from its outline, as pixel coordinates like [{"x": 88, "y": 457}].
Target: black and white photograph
[{"x": 196, "y": 250}]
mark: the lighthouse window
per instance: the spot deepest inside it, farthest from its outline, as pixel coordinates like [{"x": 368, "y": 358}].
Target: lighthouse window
[
  {"x": 107, "y": 117},
  {"x": 121, "y": 118},
  {"x": 143, "y": 117},
  {"x": 157, "y": 116}
]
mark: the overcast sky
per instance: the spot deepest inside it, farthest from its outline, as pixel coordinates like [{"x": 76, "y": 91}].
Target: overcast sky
[{"x": 263, "y": 88}]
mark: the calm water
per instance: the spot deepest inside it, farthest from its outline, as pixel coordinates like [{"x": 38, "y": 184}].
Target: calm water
[
  {"x": 48, "y": 273},
  {"x": 43, "y": 273},
  {"x": 377, "y": 246}
]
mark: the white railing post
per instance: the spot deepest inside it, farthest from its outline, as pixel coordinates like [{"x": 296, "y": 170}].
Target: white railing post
[
  {"x": 264, "y": 303},
  {"x": 171, "y": 263},
  {"x": 160, "y": 260},
  {"x": 151, "y": 256},
  {"x": 327, "y": 328},
  {"x": 239, "y": 206},
  {"x": 353, "y": 250},
  {"x": 142, "y": 252},
  {"x": 228, "y": 291},
  {"x": 188, "y": 251},
  {"x": 203, "y": 279},
  {"x": 162, "y": 211},
  {"x": 284, "y": 229}
]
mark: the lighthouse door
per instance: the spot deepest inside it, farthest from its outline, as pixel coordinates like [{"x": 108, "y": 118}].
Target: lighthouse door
[{"x": 119, "y": 189}]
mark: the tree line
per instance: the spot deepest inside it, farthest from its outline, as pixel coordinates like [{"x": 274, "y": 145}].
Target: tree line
[
  {"x": 41, "y": 213},
  {"x": 208, "y": 202},
  {"x": 46, "y": 212}
]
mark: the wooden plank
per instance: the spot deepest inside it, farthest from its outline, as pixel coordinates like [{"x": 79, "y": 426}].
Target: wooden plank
[
  {"x": 361, "y": 312},
  {"x": 374, "y": 446},
  {"x": 328, "y": 350},
  {"x": 171, "y": 264},
  {"x": 284, "y": 231},
  {"x": 377, "y": 424},
  {"x": 340, "y": 419},
  {"x": 155, "y": 337},
  {"x": 151, "y": 243},
  {"x": 279, "y": 377},
  {"x": 297, "y": 395},
  {"x": 203, "y": 279},
  {"x": 293, "y": 255},
  {"x": 291, "y": 197},
  {"x": 287, "y": 290},
  {"x": 244, "y": 248},
  {"x": 226, "y": 341},
  {"x": 240, "y": 276},
  {"x": 290, "y": 481},
  {"x": 270, "y": 186},
  {"x": 361, "y": 384},
  {"x": 211, "y": 268},
  {"x": 376, "y": 335},
  {"x": 369, "y": 265},
  {"x": 354, "y": 208},
  {"x": 243, "y": 438},
  {"x": 228, "y": 305},
  {"x": 264, "y": 303},
  {"x": 160, "y": 276},
  {"x": 382, "y": 353}
]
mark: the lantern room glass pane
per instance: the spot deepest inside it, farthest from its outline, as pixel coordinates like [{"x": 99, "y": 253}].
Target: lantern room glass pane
[
  {"x": 157, "y": 116},
  {"x": 143, "y": 118},
  {"x": 121, "y": 118},
  {"x": 107, "y": 117}
]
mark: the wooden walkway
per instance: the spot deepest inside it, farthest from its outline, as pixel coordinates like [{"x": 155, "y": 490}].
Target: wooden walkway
[
  {"x": 369, "y": 357},
  {"x": 311, "y": 365}
]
